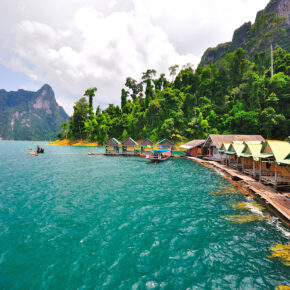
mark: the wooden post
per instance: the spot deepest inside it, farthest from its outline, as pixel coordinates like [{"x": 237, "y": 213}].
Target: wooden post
[
  {"x": 276, "y": 176},
  {"x": 254, "y": 168},
  {"x": 260, "y": 169},
  {"x": 243, "y": 165}
]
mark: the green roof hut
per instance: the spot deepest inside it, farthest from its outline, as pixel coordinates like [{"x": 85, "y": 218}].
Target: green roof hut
[
  {"x": 147, "y": 146},
  {"x": 129, "y": 147},
  {"x": 166, "y": 144},
  {"x": 112, "y": 146}
]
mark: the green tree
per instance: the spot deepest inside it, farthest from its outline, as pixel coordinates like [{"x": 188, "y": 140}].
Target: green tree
[
  {"x": 135, "y": 87},
  {"x": 123, "y": 98},
  {"x": 90, "y": 93},
  {"x": 64, "y": 127},
  {"x": 79, "y": 117}
]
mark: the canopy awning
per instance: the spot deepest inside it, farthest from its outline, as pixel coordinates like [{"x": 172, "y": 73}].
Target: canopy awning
[
  {"x": 186, "y": 147},
  {"x": 162, "y": 150},
  {"x": 245, "y": 155},
  {"x": 231, "y": 152}
]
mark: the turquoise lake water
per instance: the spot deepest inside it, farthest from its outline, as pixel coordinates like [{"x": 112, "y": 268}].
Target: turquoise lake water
[{"x": 73, "y": 221}]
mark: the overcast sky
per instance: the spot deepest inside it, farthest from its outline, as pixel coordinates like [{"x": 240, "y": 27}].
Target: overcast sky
[{"x": 76, "y": 44}]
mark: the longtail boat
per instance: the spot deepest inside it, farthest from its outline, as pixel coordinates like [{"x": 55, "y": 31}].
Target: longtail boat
[{"x": 159, "y": 155}]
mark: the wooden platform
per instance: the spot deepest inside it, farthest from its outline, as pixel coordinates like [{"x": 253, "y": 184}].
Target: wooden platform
[
  {"x": 277, "y": 202},
  {"x": 271, "y": 180},
  {"x": 122, "y": 154}
]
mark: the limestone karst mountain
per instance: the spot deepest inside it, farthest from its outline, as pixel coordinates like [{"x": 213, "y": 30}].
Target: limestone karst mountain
[
  {"x": 272, "y": 25},
  {"x": 26, "y": 115}
]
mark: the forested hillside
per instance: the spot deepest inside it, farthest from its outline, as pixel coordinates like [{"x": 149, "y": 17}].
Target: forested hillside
[
  {"x": 233, "y": 95},
  {"x": 272, "y": 26}
]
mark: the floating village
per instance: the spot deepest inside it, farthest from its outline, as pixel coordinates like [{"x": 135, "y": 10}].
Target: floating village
[{"x": 259, "y": 167}]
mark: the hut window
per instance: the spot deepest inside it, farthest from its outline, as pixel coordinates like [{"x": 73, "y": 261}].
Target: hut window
[{"x": 268, "y": 165}]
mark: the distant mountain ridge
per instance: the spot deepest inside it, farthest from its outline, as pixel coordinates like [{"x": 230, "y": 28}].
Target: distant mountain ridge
[
  {"x": 26, "y": 115},
  {"x": 258, "y": 36}
]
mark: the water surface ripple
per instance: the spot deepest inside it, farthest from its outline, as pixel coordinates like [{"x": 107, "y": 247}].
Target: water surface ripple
[{"x": 72, "y": 221}]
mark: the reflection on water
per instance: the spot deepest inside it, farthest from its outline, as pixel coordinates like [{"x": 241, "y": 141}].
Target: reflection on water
[
  {"x": 282, "y": 252},
  {"x": 226, "y": 190},
  {"x": 247, "y": 206},
  {"x": 243, "y": 218}
]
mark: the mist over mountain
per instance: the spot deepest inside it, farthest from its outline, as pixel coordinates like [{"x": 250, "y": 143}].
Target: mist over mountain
[{"x": 26, "y": 115}]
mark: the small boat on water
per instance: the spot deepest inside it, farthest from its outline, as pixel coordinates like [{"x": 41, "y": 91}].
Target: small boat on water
[
  {"x": 39, "y": 149},
  {"x": 159, "y": 155}
]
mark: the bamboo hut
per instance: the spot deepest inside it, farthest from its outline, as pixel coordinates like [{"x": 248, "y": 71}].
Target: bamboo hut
[
  {"x": 147, "y": 146},
  {"x": 112, "y": 146},
  {"x": 166, "y": 144},
  {"x": 194, "y": 147},
  {"x": 250, "y": 157},
  {"x": 224, "y": 157},
  {"x": 215, "y": 141},
  {"x": 234, "y": 152},
  {"x": 129, "y": 147},
  {"x": 275, "y": 169}
]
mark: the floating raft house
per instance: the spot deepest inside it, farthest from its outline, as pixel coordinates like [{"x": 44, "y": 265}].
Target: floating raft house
[
  {"x": 129, "y": 146},
  {"x": 274, "y": 163},
  {"x": 234, "y": 151},
  {"x": 147, "y": 146},
  {"x": 166, "y": 144},
  {"x": 214, "y": 142},
  {"x": 194, "y": 147},
  {"x": 112, "y": 146},
  {"x": 250, "y": 157}
]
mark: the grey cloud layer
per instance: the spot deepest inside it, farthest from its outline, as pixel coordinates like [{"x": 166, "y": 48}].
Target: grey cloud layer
[{"x": 73, "y": 45}]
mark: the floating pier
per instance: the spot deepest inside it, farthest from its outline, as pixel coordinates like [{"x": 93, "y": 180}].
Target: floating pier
[
  {"x": 115, "y": 154},
  {"x": 278, "y": 203}
]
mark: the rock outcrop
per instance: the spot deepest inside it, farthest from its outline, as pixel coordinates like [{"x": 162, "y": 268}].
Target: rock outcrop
[
  {"x": 257, "y": 37},
  {"x": 26, "y": 115}
]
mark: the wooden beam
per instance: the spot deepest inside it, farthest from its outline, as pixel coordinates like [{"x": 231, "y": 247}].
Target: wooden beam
[
  {"x": 276, "y": 176},
  {"x": 260, "y": 174}
]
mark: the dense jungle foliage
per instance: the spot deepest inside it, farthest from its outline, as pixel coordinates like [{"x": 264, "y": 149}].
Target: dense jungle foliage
[{"x": 232, "y": 96}]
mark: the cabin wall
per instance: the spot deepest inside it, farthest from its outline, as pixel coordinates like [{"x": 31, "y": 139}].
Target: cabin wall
[
  {"x": 247, "y": 161},
  {"x": 195, "y": 151},
  {"x": 112, "y": 148},
  {"x": 231, "y": 157},
  {"x": 284, "y": 171},
  {"x": 223, "y": 158},
  {"x": 146, "y": 149},
  {"x": 214, "y": 153}
]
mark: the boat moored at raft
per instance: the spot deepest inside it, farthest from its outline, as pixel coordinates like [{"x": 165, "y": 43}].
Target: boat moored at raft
[{"x": 159, "y": 155}]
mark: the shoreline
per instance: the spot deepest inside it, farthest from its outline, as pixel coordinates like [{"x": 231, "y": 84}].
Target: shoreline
[
  {"x": 276, "y": 202},
  {"x": 79, "y": 143}
]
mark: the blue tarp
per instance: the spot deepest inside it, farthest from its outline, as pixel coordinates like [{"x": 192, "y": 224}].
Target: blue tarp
[{"x": 162, "y": 150}]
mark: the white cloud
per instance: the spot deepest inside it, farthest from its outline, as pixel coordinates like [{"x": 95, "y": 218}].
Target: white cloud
[
  {"x": 112, "y": 47},
  {"x": 73, "y": 45}
]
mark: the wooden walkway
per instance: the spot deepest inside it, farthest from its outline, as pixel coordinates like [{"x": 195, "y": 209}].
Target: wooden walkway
[
  {"x": 277, "y": 202},
  {"x": 114, "y": 154}
]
